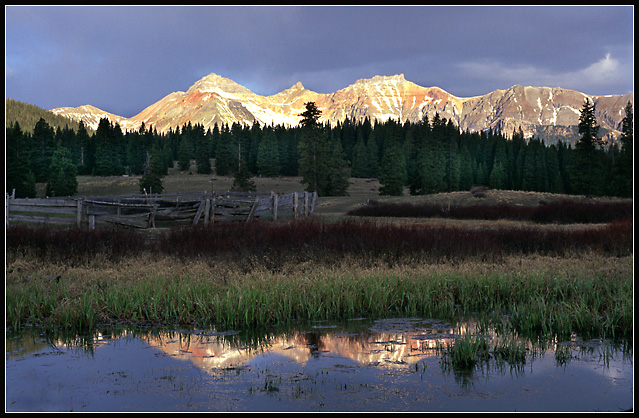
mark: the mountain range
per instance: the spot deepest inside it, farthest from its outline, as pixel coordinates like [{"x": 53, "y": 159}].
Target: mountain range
[{"x": 213, "y": 99}]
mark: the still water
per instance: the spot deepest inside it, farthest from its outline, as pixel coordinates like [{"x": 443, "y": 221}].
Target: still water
[{"x": 356, "y": 365}]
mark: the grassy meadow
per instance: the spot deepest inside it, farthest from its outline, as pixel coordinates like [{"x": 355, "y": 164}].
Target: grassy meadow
[{"x": 551, "y": 279}]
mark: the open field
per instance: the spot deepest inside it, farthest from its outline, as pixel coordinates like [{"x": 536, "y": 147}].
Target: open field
[
  {"x": 360, "y": 191},
  {"x": 552, "y": 279}
]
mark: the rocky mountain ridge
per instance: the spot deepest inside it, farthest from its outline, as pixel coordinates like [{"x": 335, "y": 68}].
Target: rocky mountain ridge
[{"x": 216, "y": 99}]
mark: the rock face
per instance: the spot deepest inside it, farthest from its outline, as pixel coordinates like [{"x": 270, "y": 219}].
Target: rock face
[{"x": 215, "y": 99}]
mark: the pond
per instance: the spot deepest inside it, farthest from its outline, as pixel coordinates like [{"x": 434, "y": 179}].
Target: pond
[{"x": 356, "y": 365}]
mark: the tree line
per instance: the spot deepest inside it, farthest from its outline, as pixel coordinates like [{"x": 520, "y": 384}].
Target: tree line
[{"x": 430, "y": 156}]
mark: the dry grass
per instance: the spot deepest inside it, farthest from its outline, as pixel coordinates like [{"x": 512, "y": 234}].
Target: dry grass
[{"x": 21, "y": 269}]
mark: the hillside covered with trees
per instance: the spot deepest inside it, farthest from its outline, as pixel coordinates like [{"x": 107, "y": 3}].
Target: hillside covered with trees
[{"x": 27, "y": 115}]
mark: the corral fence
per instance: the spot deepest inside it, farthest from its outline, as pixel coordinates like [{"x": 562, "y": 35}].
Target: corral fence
[{"x": 159, "y": 210}]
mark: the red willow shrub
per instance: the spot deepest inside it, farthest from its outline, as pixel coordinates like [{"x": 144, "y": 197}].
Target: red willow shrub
[
  {"x": 388, "y": 242},
  {"x": 312, "y": 240},
  {"x": 74, "y": 244},
  {"x": 570, "y": 211},
  {"x": 563, "y": 211}
]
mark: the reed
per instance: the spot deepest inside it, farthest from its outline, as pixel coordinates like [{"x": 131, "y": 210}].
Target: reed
[
  {"x": 465, "y": 353},
  {"x": 536, "y": 296},
  {"x": 510, "y": 350}
]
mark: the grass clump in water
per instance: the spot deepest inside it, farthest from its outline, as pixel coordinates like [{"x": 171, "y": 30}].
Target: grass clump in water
[{"x": 465, "y": 353}]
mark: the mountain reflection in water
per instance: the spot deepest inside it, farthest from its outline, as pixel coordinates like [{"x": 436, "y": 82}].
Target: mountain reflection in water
[{"x": 376, "y": 347}]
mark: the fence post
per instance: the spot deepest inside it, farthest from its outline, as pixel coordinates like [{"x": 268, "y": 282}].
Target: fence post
[
  {"x": 250, "y": 215},
  {"x": 305, "y": 203},
  {"x": 274, "y": 195},
  {"x": 198, "y": 214},
  {"x": 78, "y": 213},
  {"x": 207, "y": 211},
  {"x": 313, "y": 203},
  {"x": 295, "y": 204},
  {"x": 213, "y": 210}
]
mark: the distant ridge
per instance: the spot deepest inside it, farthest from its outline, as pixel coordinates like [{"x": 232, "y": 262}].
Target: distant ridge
[{"x": 219, "y": 100}]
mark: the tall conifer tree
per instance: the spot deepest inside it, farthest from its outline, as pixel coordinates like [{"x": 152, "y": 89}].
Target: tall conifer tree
[
  {"x": 392, "y": 171},
  {"x": 63, "y": 171},
  {"x": 314, "y": 151},
  {"x": 585, "y": 171}
]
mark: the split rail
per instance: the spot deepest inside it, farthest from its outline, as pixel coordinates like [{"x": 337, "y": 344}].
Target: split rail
[{"x": 163, "y": 210}]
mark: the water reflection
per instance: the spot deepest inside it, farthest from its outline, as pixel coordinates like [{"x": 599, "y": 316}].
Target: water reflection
[
  {"x": 380, "y": 345},
  {"x": 359, "y": 365}
]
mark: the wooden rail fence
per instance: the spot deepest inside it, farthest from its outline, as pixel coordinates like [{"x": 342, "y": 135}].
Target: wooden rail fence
[{"x": 150, "y": 211}]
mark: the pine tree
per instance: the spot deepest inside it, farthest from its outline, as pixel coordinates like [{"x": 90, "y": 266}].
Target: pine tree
[
  {"x": 417, "y": 165},
  {"x": 529, "y": 180},
  {"x": 497, "y": 178},
  {"x": 481, "y": 176},
  {"x": 359, "y": 163},
  {"x": 514, "y": 146},
  {"x": 215, "y": 138},
  {"x": 62, "y": 179},
  {"x": 564, "y": 154},
  {"x": 314, "y": 151},
  {"x": 18, "y": 175},
  {"x": 465, "y": 169},
  {"x": 136, "y": 153},
  {"x": 452, "y": 157},
  {"x": 338, "y": 173},
  {"x": 586, "y": 170},
  {"x": 373, "y": 156},
  {"x": 107, "y": 156},
  {"x": 255, "y": 135},
  {"x": 436, "y": 157},
  {"x": 185, "y": 151},
  {"x": 552, "y": 170},
  {"x": 87, "y": 152},
  {"x": 43, "y": 141},
  {"x": 119, "y": 148},
  {"x": 167, "y": 156},
  {"x": 202, "y": 150},
  {"x": 288, "y": 140},
  {"x": 151, "y": 181},
  {"x": 623, "y": 171},
  {"x": 242, "y": 179},
  {"x": 392, "y": 172},
  {"x": 268, "y": 156},
  {"x": 349, "y": 133},
  {"x": 225, "y": 153}
]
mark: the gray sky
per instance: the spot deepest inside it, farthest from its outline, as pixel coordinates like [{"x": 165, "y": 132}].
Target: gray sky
[{"x": 124, "y": 58}]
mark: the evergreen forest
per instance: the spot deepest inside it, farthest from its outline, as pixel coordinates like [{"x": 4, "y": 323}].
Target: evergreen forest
[{"x": 431, "y": 156}]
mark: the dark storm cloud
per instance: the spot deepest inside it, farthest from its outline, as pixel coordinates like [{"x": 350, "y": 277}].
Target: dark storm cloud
[{"x": 122, "y": 59}]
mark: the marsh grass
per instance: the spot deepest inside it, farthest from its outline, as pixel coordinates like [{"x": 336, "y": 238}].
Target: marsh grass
[{"x": 538, "y": 295}]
